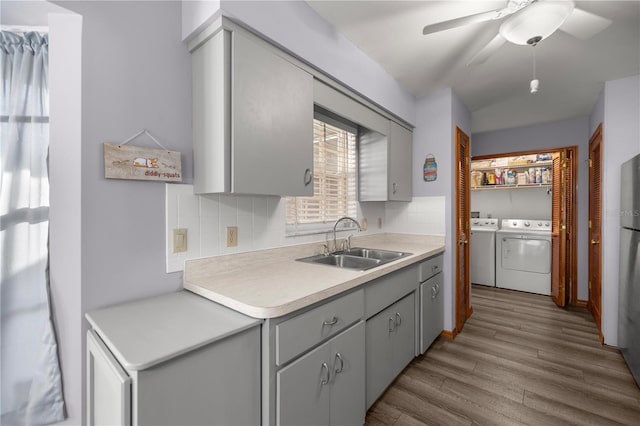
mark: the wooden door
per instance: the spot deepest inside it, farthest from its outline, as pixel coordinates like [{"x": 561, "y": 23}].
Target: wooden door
[
  {"x": 558, "y": 229},
  {"x": 463, "y": 305},
  {"x": 595, "y": 222}
]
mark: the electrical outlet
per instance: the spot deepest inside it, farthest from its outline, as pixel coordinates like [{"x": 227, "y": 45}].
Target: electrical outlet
[
  {"x": 179, "y": 240},
  {"x": 363, "y": 223},
  {"x": 232, "y": 236}
]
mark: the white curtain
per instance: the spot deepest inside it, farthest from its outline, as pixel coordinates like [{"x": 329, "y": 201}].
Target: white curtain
[{"x": 30, "y": 372}]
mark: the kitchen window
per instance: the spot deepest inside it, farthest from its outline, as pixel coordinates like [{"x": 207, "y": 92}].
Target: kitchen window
[{"x": 334, "y": 178}]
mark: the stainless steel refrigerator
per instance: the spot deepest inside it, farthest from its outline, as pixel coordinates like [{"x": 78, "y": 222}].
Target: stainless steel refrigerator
[{"x": 629, "y": 300}]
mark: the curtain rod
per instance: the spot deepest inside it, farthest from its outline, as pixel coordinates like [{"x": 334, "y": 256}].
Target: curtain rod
[{"x": 24, "y": 28}]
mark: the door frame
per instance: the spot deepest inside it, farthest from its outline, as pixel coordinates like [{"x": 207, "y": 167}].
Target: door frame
[
  {"x": 573, "y": 267},
  {"x": 596, "y": 137},
  {"x": 463, "y": 304}
]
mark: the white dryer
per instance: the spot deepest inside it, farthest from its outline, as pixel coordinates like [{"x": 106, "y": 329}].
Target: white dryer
[
  {"x": 482, "y": 248},
  {"x": 523, "y": 260}
]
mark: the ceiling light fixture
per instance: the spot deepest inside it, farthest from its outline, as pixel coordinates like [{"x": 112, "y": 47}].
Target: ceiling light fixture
[
  {"x": 540, "y": 19},
  {"x": 535, "y": 83}
]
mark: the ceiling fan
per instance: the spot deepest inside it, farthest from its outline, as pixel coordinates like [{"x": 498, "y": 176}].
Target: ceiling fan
[{"x": 527, "y": 20}]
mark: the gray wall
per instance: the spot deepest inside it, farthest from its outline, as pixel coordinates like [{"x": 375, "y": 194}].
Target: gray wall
[
  {"x": 621, "y": 141},
  {"x": 557, "y": 134}
]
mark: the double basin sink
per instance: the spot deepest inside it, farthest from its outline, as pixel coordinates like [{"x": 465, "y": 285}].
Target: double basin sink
[{"x": 356, "y": 258}]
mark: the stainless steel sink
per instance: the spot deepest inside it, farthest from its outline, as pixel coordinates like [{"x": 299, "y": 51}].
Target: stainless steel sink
[
  {"x": 384, "y": 255},
  {"x": 356, "y": 258}
]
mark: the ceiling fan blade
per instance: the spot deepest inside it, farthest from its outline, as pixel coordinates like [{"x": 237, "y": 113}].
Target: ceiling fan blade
[
  {"x": 583, "y": 25},
  {"x": 459, "y": 22},
  {"x": 491, "y": 48}
]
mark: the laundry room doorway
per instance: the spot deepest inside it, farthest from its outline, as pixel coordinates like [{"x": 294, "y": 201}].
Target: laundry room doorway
[{"x": 532, "y": 195}]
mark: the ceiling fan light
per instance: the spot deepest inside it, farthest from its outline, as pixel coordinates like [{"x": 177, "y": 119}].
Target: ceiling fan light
[
  {"x": 541, "y": 18},
  {"x": 534, "y": 85}
]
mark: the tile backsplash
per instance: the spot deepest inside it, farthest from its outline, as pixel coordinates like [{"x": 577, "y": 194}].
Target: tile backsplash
[{"x": 261, "y": 222}]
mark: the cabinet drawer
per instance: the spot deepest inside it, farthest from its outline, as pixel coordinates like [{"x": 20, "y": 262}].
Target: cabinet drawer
[
  {"x": 300, "y": 333},
  {"x": 383, "y": 291},
  {"x": 430, "y": 267}
]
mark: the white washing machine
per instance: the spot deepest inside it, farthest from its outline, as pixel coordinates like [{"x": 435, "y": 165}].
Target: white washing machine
[
  {"x": 523, "y": 255},
  {"x": 482, "y": 248}
]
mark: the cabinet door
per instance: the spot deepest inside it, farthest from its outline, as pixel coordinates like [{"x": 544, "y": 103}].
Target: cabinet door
[
  {"x": 379, "y": 353},
  {"x": 400, "y": 163},
  {"x": 404, "y": 339},
  {"x": 431, "y": 311},
  {"x": 272, "y": 122},
  {"x": 108, "y": 386},
  {"x": 348, "y": 370},
  {"x": 303, "y": 389}
]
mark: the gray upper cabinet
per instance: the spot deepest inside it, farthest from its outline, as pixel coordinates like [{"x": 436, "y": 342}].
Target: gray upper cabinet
[
  {"x": 386, "y": 164},
  {"x": 252, "y": 117},
  {"x": 400, "y": 177}
]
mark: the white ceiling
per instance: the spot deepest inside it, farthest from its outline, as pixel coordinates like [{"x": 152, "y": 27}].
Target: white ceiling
[{"x": 571, "y": 71}]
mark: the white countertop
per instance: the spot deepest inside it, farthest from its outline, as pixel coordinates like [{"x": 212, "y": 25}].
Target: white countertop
[
  {"x": 271, "y": 283},
  {"x": 146, "y": 332}
]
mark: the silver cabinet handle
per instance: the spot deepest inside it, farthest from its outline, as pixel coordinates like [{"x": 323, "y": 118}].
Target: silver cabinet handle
[
  {"x": 395, "y": 187},
  {"x": 437, "y": 288},
  {"x": 434, "y": 292},
  {"x": 332, "y": 321},
  {"x": 308, "y": 177},
  {"x": 392, "y": 325},
  {"x": 339, "y": 358},
  {"x": 326, "y": 379},
  {"x": 434, "y": 269},
  {"x": 398, "y": 319}
]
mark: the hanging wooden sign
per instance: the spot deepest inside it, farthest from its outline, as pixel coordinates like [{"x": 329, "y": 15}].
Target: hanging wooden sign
[
  {"x": 140, "y": 163},
  {"x": 430, "y": 168}
]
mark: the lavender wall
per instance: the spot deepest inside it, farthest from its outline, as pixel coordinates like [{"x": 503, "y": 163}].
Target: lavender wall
[
  {"x": 437, "y": 116},
  {"x": 557, "y": 134}
]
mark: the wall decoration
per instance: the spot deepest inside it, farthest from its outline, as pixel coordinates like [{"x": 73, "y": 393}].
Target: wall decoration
[
  {"x": 141, "y": 163},
  {"x": 430, "y": 168}
]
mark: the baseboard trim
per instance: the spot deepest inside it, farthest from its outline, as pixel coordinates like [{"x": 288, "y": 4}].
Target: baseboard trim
[
  {"x": 449, "y": 334},
  {"x": 582, "y": 303}
]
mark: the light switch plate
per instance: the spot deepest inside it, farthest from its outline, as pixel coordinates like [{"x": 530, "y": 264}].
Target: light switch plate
[{"x": 179, "y": 240}]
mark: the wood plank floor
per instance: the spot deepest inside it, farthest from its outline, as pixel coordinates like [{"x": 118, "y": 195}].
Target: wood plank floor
[{"x": 518, "y": 360}]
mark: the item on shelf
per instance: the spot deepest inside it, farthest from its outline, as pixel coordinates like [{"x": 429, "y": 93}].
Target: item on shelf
[
  {"x": 532, "y": 175},
  {"x": 480, "y": 164},
  {"x": 538, "y": 175},
  {"x": 491, "y": 178},
  {"x": 522, "y": 178},
  {"x": 544, "y": 157},
  {"x": 485, "y": 180},
  {"x": 476, "y": 178},
  {"x": 499, "y": 177},
  {"x": 511, "y": 177},
  {"x": 545, "y": 175}
]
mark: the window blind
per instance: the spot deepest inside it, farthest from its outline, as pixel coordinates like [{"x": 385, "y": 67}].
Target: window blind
[{"x": 334, "y": 180}]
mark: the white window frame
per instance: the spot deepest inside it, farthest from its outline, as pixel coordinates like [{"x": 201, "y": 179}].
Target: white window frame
[{"x": 294, "y": 226}]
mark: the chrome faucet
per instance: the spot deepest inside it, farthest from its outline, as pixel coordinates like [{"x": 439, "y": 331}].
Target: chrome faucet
[{"x": 335, "y": 247}]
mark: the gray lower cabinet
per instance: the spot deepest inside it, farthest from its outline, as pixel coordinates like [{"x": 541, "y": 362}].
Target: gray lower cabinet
[
  {"x": 325, "y": 386},
  {"x": 431, "y": 311},
  {"x": 431, "y": 301},
  {"x": 390, "y": 345},
  {"x": 176, "y": 359}
]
